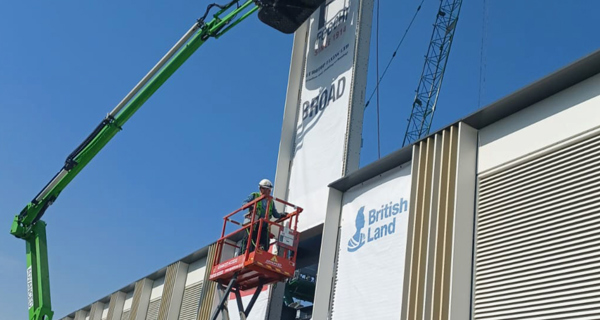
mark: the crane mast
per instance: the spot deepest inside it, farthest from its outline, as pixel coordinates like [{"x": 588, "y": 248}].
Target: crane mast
[{"x": 430, "y": 83}]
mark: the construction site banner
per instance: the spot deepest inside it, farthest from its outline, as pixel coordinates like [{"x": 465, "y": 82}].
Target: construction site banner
[
  {"x": 259, "y": 310},
  {"x": 372, "y": 248},
  {"x": 324, "y": 117}
]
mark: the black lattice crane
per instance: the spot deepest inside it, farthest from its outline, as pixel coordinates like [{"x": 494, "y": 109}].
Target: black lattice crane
[{"x": 428, "y": 90}]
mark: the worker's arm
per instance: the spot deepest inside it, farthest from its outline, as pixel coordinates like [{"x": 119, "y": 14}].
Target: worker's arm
[
  {"x": 249, "y": 199},
  {"x": 276, "y": 213}
]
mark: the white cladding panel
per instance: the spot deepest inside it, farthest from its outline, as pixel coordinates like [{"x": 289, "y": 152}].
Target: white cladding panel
[
  {"x": 563, "y": 115},
  {"x": 157, "y": 288},
  {"x": 128, "y": 301},
  {"x": 196, "y": 272},
  {"x": 105, "y": 312},
  {"x": 372, "y": 248}
]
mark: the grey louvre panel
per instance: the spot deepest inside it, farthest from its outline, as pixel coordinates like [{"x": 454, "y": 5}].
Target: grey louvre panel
[
  {"x": 190, "y": 301},
  {"x": 153, "y": 309},
  {"x": 538, "y": 237},
  {"x": 125, "y": 315}
]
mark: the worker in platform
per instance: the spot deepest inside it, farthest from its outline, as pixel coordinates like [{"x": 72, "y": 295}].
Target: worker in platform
[{"x": 265, "y": 187}]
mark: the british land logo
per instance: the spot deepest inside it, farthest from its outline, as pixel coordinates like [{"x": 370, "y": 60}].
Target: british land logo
[
  {"x": 381, "y": 223},
  {"x": 358, "y": 240}
]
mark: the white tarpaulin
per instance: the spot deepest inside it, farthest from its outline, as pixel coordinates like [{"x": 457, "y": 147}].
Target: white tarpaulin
[
  {"x": 324, "y": 110},
  {"x": 372, "y": 248}
]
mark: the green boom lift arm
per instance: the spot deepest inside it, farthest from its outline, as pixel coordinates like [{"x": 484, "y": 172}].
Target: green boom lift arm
[{"x": 283, "y": 15}]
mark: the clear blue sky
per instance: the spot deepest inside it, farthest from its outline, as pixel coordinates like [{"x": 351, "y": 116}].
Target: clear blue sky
[{"x": 158, "y": 191}]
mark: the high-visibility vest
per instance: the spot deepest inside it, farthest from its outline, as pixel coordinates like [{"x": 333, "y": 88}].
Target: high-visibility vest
[{"x": 260, "y": 211}]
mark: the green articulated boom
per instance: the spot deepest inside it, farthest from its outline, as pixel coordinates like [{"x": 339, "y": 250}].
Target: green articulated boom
[{"x": 284, "y": 15}]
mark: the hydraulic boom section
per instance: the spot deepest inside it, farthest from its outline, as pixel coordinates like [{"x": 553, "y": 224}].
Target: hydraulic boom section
[{"x": 284, "y": 15}]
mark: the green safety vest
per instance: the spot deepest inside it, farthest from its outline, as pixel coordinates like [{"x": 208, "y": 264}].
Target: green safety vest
[{"x": 260, "y": 211}]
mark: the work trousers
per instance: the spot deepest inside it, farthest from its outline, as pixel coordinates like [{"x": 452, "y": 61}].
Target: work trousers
[{"x": 262, "y": 239}]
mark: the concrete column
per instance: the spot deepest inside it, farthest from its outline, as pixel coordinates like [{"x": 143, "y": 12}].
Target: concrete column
[
  {"x": 275, "y": 307},
  {"x": 207, "y": 298}
]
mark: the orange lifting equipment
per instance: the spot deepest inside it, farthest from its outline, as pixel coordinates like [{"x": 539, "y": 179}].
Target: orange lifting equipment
[{"x": 238, "y": 268}]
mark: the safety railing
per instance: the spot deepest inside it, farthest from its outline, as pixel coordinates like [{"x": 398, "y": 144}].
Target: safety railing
[{"x": 281, "y": 233}]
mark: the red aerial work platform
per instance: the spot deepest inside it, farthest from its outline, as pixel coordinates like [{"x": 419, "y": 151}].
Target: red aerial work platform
[{"x": 256, "y": 266}]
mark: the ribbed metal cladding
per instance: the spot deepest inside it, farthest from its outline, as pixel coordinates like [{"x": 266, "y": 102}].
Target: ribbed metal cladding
[
  {"x": 538, "y": 237},
  {"x": 137, "y": 295},
  {"x": 207, "y": 295},
  {"x": 96, "y": 311},
  {"x": 191, "y": 301},
  {"x": 115, "y": 306},
  {"x": 167, "y": 293},
  {"x": 442, "y": 241},
  {"x": 112, "y": 304},
  {"x": 417, "y": 247},
  {"x": 153, "y": 309},
  {"x": 431, "y": 223},
  {"x": 141, "y": 293}
]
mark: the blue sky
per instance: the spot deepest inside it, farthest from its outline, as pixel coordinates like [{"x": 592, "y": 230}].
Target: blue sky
[{"x": 195, "y": 150}]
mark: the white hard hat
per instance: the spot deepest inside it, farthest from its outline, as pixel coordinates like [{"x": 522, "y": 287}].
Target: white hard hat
[{"x": 265, "y": 183}]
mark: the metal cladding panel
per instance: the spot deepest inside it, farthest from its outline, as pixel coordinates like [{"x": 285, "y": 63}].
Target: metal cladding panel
[
  {"x": 173, "y": 291},
  {"x": 153, "y": 309},
  {"x": 567, "y": 113},
  {"x": 418, "y": 226},
  {"x": 96, "y": 311},
  {"x": 116, "y": 305},
  {"x": 196, "y": 272},
  {"x": 440, "y": 235},
  {"x": 207, "y": 295},
  {"x": 157, "y": 288},
  {"x": 141, "y": 298},
  {"x": 537, "y": 239},
  {"x": 190, "y": 302},
  {"x": 128, "y": 301}
]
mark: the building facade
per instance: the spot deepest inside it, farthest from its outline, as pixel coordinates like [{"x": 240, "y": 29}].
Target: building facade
[{"x": 496, "y": 216}]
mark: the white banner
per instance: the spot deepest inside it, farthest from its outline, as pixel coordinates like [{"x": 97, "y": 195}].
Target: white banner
[
  {"x": 258, "y": 311},
  {"x": 321, "y": 131},
  {"x": 372, "y": 248}
]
